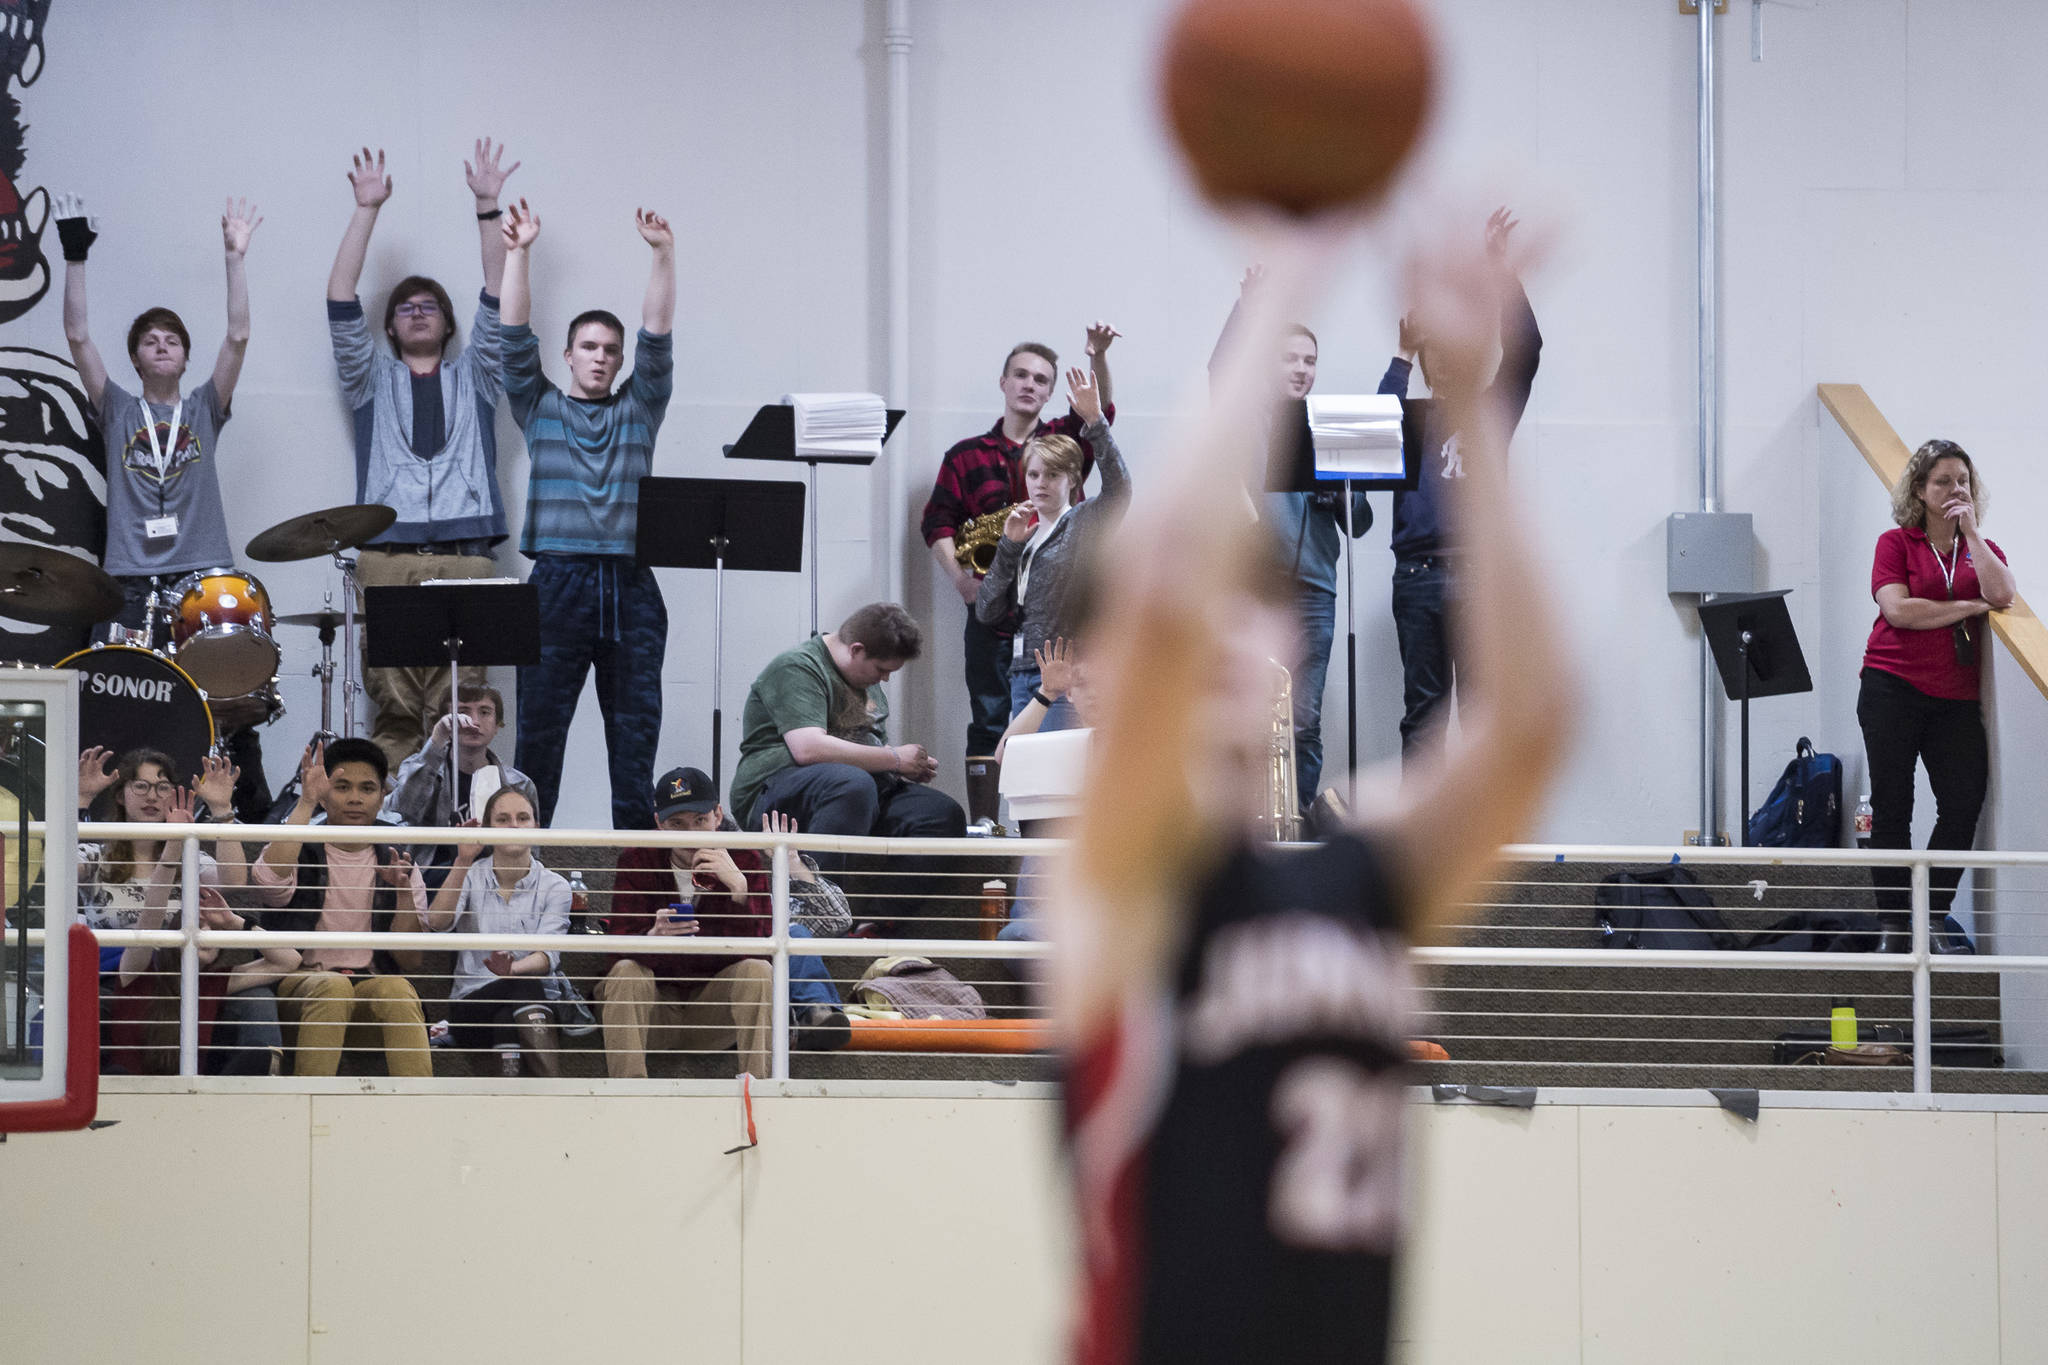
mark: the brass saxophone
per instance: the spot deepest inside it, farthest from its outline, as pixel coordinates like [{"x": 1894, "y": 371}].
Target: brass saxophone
[{"x": 975, "y": 547}]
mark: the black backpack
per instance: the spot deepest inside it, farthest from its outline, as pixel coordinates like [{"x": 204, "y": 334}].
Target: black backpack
[
  {"x": 1805, "y": 809},
  {"x": 1662, "y": 908}
]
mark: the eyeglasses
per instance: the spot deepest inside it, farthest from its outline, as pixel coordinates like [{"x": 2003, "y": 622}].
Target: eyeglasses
[
  {"x": 141, "y": 788},
  {"x": 427, "y": 309}
]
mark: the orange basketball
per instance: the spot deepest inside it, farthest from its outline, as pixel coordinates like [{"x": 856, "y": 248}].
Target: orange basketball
[{"x": 1302, "y": 104}]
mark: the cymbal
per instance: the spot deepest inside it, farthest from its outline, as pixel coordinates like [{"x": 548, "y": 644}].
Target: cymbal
[
  {"x": 321, "y": 533},
  {"x": 47, "y": 587},
  {"x": 331, "y": 619}
]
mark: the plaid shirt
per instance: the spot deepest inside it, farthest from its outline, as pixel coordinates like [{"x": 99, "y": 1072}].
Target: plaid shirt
[{"x": 981, "y": 474}]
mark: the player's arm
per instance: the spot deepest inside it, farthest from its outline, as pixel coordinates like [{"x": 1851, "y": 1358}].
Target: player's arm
[
  {"x": 371, "y": 187},
  {"x": 1453, "y": 814},
  {"x": 75, "y": 231},
  {"x": 238, "y": 222}
]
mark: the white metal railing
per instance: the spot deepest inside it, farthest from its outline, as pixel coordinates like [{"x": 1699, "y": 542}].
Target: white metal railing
[{"x": 190, "y": 938}]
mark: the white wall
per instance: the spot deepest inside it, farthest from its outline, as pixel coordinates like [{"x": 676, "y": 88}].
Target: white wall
[
  {"x": 1881, "y": 206},
  {"x": 322, "y": 1228}
]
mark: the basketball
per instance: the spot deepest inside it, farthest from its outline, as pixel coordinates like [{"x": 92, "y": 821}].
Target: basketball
[{"x": 1302, "y": 104}]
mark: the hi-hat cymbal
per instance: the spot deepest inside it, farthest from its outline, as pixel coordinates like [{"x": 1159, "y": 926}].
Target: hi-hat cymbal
[
  {"x": 317, "y": 534},
  {"x": 331, "y": 619},
  {"x": 47, "y": 587}
]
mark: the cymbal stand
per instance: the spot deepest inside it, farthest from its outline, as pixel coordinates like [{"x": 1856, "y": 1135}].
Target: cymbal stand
[
  {"x": 349, "y": 646},
  {"x": 324, "y": 671}
]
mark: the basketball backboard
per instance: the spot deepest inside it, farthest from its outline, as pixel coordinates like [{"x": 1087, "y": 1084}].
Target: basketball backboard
[{"x": 49, "y": 974}]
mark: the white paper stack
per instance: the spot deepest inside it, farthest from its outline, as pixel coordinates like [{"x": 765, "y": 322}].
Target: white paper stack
[
  {"x": 1356, "y": 435},
  {"x": 838, "y": 425}
]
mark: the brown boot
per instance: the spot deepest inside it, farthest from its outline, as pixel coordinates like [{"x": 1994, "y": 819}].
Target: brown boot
[
  {"x": 984, "y": 796},
  {"x": 537, "y": 1043}
]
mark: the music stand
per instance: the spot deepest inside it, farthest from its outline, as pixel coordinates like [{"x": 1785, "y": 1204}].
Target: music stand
[
  {"x": 452, "y": 621},
  {"x": 1758, "y": 653},
  {"x": 1291, "y": 468},
  {"x": 772, "y": 436},
  {"x": 721, "y": 524}
]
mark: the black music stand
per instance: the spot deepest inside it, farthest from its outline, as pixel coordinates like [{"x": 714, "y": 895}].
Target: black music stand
[
  {"x": 452, "y": 623},
  {"x": 1758, "y": 653},
  {"x": 772, "y": 436},
  {"x": 721, "y": 524},
  {"x": 1291, "y": 468}
]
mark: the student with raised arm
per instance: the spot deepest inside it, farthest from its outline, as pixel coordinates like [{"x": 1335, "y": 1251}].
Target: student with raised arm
[
  {"x": 425, "y": 425},
  {"x": 1236, "y": 1013},
  {"x": 164, "y": 513},
  {"x": 589, "y": 448}
]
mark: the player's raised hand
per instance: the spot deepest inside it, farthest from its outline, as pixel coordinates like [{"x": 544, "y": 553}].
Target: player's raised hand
[
  {"x": 486, "y": 174},
  {"x": 366, "y": 177},
  {"x": 654, "y": 229}
]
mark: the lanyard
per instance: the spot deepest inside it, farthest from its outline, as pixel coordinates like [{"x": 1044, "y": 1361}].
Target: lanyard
[
  {"x": 161, "y": 454},
  {"x": 1948, "y": 570}
]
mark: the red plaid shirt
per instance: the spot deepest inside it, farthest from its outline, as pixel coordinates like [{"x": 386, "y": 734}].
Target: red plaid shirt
[{"x": 981, "y": 474}]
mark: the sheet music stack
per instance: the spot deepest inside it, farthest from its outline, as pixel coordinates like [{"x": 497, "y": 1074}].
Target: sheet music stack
[
  {"x": 838, "y": 425},
  {"x": 1356, "y": 436}
]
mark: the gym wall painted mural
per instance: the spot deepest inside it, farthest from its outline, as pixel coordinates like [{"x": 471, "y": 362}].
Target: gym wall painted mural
[{"x": 53, "y": 485}]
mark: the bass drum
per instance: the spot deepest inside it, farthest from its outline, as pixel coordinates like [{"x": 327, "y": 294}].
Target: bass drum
[{"x": 131, "y": 698}]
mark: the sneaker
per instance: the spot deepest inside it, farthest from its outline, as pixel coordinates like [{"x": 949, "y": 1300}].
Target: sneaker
[{"x": 820, "y": 1028}]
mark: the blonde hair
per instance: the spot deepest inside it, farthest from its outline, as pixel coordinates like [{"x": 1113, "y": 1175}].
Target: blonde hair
[
  {"x": 1060, "y": 455},
  {"x": 1907, "y": 507}
]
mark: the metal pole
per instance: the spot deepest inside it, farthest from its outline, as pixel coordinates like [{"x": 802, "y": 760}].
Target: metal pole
[
  {"x": 1350, "y": 657},
  {"x": 1923, "y": 986},
  {"x": 188, "y": 961},
  {"x": 1711, "y": 757},
  {"x": 454, "y": 727},
  {"x": 348, "y": 643},
  {"x": 812, "y": 513},
  {"x": 718, "y": 656},
  {"x": 778, "y": 1018},
  {"x": 1742, "y": 812},
  {"x": 896, "y": 41}
]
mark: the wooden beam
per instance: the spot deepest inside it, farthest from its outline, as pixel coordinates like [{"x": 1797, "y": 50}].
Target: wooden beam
[{"x": 2021, "y": 630}]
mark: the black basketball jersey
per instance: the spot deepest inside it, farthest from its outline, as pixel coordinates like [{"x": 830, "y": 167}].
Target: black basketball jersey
[{"x": 1237, "y": 1143}]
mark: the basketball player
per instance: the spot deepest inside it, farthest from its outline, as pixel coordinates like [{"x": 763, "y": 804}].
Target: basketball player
[{"x": 1235, "y": 1015}]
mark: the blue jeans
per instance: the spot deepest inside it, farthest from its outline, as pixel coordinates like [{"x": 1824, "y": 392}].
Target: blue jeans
[
  {"x": 1318, "y": 630},
  {"x": 988, "y": 687},
  {"x": 1023, "y": 682},
  {"x": 1423, "y": 589},
  {"x": 809, "y": 982}
]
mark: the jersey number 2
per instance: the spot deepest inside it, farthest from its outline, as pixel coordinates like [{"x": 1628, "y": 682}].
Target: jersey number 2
[{"x": 1337, "y": 1185}]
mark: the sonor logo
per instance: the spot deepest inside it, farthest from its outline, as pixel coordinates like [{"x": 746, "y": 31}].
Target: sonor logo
[{"x": 142, "y": 689}]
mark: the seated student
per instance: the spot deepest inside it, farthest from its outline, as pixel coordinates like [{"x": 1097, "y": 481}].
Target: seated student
[
  {"x": 1062, "y": 702},
  {"x": 497, "y": 998},
  {"x": 726, "y": 999},
  {"x": 113, "y": 879},
  {"x": 346, "y": 888},
  {"x": 238, "y": 1025},
  {"x": 419, "y": 794}
]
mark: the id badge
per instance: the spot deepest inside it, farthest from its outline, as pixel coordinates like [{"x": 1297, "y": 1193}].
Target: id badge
[
  {"x": 160, "y": 528},
  {"x": 1017, "y": 645},
  {"x": 1966, "y": 647}
]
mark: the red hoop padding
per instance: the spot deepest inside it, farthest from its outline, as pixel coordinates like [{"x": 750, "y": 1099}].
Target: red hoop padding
[{"x": 82, "y": 1063}]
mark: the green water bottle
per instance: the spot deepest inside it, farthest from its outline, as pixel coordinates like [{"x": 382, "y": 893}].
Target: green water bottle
[{"x": 1842, "y": 1024}]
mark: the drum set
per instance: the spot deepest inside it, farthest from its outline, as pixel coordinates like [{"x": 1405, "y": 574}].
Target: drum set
[{"x": 205, "y": 658}]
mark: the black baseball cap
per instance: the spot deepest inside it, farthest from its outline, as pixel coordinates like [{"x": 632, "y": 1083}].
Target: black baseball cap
[{"x": 683, "y": 789}]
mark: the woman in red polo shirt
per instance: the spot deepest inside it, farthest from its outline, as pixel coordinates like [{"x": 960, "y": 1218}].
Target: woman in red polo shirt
[{"x": 1935, "y": 579}]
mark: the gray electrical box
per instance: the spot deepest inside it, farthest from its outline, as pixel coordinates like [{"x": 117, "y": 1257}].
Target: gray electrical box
[{"x": 1709, "y": 552}]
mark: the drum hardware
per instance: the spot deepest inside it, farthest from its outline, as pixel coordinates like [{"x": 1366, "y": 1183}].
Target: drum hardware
[
  {"x": 315, "y": 535},
  {"x": 47, "y": 587},
  {"x": 325, "y": 622}
]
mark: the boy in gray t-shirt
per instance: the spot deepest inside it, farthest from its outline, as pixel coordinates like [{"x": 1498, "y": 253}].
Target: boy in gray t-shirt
[{"x": 164, "y": 513}]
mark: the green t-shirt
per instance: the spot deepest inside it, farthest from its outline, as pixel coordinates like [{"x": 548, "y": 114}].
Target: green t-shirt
[{"x": 800, "y": 689}]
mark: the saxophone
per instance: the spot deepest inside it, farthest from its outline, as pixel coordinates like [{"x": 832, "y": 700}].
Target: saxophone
[{"x": 975, "y": 547}]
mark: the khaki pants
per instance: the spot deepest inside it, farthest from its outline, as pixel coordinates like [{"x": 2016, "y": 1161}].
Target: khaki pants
[
  {"x": 401, "y": 695},
  {"x": 730, "y": 1011},
  {"x": 328, "y": 1002}
]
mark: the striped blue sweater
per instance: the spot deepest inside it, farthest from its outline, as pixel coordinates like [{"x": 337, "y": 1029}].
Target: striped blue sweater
[{"x": 586, "y": 455}]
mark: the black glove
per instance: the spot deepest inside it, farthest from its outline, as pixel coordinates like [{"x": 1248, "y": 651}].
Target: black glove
[{"x": 77, "y": 236}]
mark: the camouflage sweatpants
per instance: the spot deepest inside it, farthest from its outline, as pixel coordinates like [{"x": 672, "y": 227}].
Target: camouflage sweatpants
[{"x": 606, "y": 611}]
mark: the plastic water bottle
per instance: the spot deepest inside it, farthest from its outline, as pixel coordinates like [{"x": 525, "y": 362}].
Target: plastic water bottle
[
  {"x": 1863, "y": 818},
  {"x": 579, "y": 905}
]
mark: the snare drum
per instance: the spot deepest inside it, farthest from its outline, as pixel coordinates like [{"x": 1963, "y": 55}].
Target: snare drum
[
  {"x": 131, "y": 698},
  {"x": 220, "y": 631}
]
